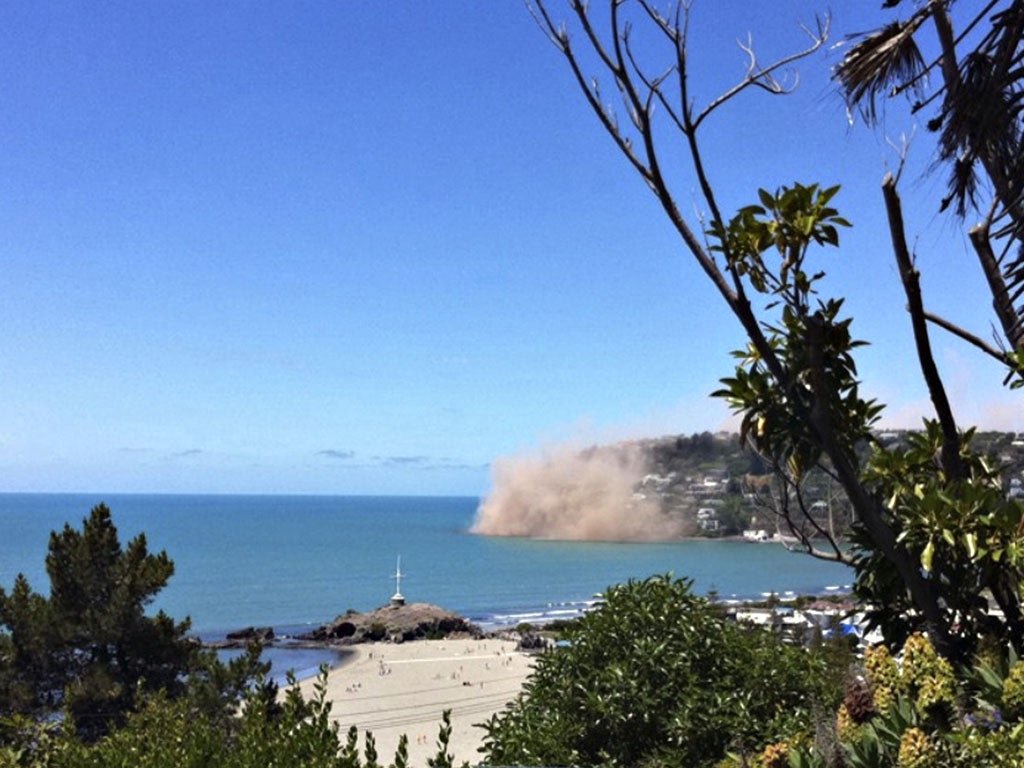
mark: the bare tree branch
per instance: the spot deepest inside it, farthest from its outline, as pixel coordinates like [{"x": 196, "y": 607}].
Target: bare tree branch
[
  {"x": 1002, "y": 301},
  {"x": 560, "y": 37},
  {"x": 909, "y": 276},
  {"x": 967, "y": 336},
  {"x": 763, "y": 77}
]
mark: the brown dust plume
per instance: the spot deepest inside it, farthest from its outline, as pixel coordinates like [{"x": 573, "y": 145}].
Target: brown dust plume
[{"x": 572, "y": 495}]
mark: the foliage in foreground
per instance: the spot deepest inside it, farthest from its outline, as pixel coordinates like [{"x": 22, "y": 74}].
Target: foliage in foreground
[
  {"x": 89, "y": 648},
  {"x": 168, "y": 733},
  {"x": 916, "y": 710},
  {"x": 936, "y": 540},
  {"x": 88, "y": 652},
  {"x": 655, "y": 676}
]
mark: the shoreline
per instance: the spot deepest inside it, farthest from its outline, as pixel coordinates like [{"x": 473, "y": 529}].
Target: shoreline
[
  {"x": 302, "y": 657},
  {"x": 395, "y": 688},
  {"x": 536, "y": 619},
  {"x": 494, "y": 623}
]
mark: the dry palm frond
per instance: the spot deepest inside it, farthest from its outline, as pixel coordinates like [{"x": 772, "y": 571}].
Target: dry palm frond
[
  {"x": 963, "y": 185},
  {"x": 879, "y": 61},
  {"x": 983, "y": 127},
  {"x": 981, "y": 121}
]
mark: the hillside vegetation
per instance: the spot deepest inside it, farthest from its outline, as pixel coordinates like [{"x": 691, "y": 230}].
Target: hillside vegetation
[{"x": 718, "y": 487}]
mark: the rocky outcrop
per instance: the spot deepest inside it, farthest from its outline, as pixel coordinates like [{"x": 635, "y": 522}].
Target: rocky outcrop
[
  {"x": 530, "y": 641},
  {"x": 395, "y": 623},
  {"x": 264, "y": 634},
  {"x": 242, "y": 637}
]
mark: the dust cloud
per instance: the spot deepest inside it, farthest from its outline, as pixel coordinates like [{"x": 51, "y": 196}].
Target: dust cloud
[{"x": 571, "y": 495}]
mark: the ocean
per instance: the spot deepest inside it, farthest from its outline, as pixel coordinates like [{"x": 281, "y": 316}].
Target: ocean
[{"x": 295, "y": 562}]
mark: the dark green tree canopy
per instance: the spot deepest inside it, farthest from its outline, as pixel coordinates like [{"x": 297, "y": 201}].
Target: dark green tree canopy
[{"x": 89, "y": 648}]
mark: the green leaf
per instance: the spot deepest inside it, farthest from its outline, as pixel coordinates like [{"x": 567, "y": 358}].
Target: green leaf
[
  {"x": 971, "y": 542},
  {"x": 927, "y": 554},
  {"x": 827, "y": 194},
  {"x": 752, "y": 210}
]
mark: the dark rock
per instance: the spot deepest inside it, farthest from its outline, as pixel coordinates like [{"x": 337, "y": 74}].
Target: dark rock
[
  {"x": 242, "y": 637},
  {"x": 532, "y": 642},
  {"x": 264, "y": 634},
  {"x": 398, "y": 623},
  {"x": 340, "y": 629},
  {"x": 318, "y": 635}
]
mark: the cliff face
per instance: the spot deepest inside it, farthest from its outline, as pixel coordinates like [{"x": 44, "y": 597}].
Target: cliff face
[
  {"x": 639, "y": 490},
  {"x": 567, "y": 494}
]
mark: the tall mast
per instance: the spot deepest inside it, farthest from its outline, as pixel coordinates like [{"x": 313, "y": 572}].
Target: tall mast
[{"x": 397, "y": 598}]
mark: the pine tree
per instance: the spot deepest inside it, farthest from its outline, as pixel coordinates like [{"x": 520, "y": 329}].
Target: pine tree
[{"x": 90, "y": 648}]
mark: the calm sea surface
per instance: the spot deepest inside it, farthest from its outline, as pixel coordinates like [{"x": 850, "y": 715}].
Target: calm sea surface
[{"x": 291, "y": 561}]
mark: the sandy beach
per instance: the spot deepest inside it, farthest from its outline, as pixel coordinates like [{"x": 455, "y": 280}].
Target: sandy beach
[{"x": 391, "y": 689}]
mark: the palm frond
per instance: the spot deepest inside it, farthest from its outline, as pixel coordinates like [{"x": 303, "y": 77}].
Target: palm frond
[
  {"x": 963, "y": 186},
  {"x": 878, "y": 62},
  {"x": 983, "y": 125},
  {"x": 981, "y": 121}
]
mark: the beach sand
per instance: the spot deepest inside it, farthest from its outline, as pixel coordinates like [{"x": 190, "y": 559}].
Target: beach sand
[{"x": 391, "y": 689}]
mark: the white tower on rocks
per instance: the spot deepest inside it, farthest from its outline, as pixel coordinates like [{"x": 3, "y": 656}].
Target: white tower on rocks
[{"x": 398, "y": 598}]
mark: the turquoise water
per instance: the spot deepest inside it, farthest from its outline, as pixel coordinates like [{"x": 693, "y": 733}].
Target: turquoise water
[{"x": 294, "y": 561}]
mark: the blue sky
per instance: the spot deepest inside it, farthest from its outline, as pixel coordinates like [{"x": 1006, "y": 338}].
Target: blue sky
[{"x": 370, "y": 247}]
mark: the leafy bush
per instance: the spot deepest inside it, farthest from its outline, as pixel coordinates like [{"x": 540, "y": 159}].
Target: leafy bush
[
  {"x": 656, "y": 676},
  {"x": 916, "y": 710}
]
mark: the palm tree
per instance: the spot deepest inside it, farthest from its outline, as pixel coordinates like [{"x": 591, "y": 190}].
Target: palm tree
[{"x": 977, "y": 97}]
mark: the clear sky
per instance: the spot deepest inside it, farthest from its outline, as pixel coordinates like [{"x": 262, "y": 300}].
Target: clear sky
[{"x": 368, "y": 247}]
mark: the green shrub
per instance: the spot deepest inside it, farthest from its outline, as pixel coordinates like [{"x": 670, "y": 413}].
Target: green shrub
[
  {"x": 916, "y": 710},
  {"x": 655, "y": 676}
]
